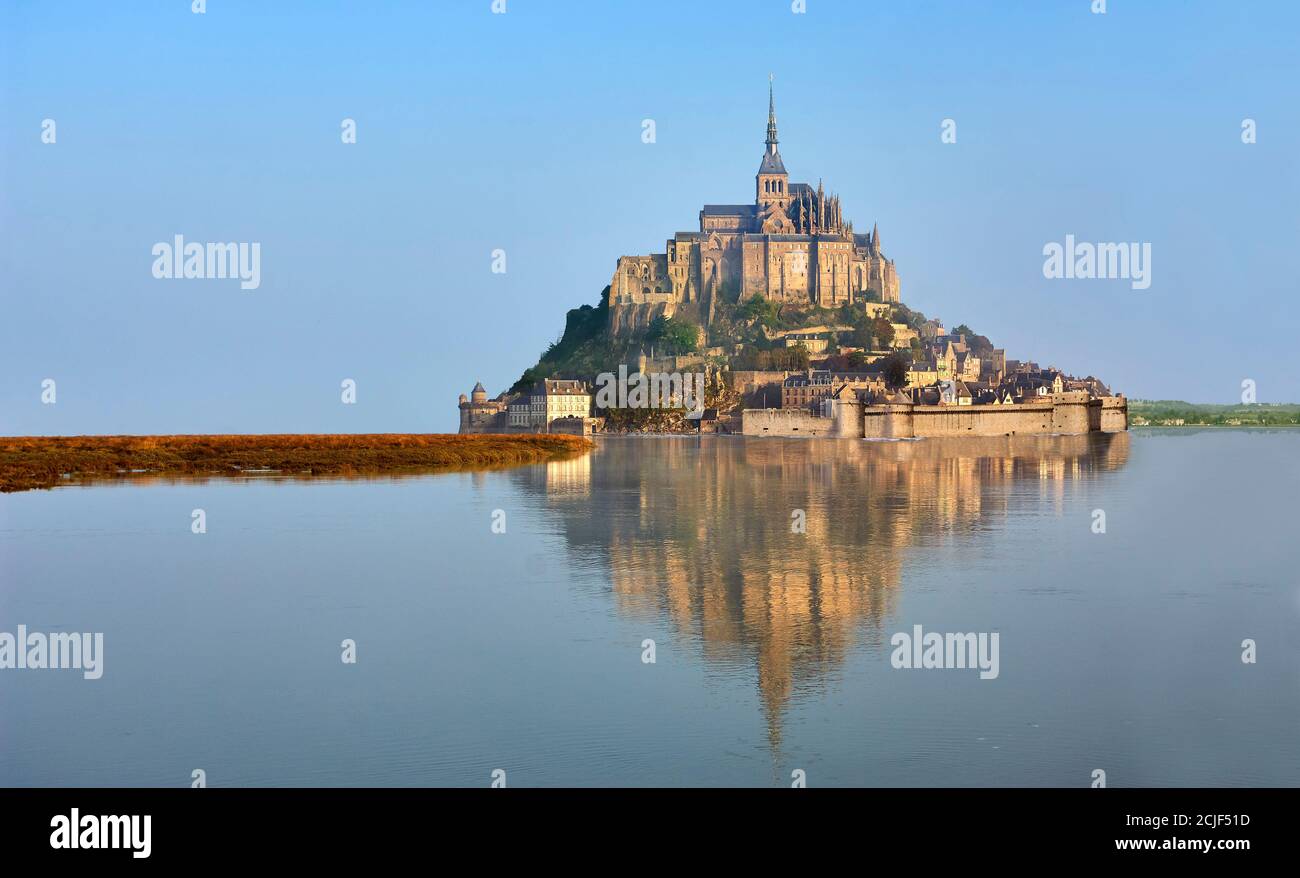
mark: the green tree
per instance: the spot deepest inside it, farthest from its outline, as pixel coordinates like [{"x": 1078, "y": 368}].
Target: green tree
[
  {"x": 883, "y": 332},
  {"x": 678, "y": 335},
  {"x": 895, "y": 369},
  {"x": 755, "y": 308}
]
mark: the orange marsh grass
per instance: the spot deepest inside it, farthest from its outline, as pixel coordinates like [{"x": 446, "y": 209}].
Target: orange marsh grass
[{"x": 28, "y": 462}]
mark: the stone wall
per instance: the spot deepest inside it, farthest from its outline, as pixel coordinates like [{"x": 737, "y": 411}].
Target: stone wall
[
  {"x": 627, "y": 319},
  {"x": 748, "y": 380},
  {"x": 888, "y": 421},
  {"x": 1114, "y": 414},
  {"x": 1067, "y": 413},
  {"x": 784, "y": 422}
]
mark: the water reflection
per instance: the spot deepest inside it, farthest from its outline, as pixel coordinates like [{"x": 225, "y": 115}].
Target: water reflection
[{"x": 699, "y": 532}]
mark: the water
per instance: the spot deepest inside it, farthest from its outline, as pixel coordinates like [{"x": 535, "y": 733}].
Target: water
[{"x": 523, "y": 651}]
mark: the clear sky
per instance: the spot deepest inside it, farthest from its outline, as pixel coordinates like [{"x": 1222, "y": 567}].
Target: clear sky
[{"x": 522, "y": 131}]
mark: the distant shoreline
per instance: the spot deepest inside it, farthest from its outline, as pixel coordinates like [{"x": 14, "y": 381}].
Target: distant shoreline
[
  {"x": 1214, "y": 426},
  {"x": 1177, "y": 413},
  {"x": 42, "y": 462}
]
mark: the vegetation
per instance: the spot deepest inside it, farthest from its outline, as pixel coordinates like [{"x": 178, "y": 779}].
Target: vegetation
[
  {"x": 760, "y": 310},
  {"x": 585, "y": 349},
  {"x": 29, "y": 462},
  {"x": 582, "y": 351},
  {"x": 676, "y": 334},
  {"x": 1167, "y": 412},
  {"x": 783, "y": 359},
  {"x": 854, "y": 361},
  {"x": 647, "y": 421},
  {"x": 905, "y": 315},
  {"x": 895, "y": 367},
  {"x": 979, "y": 345},
  {"x": 872, "y": 334}
]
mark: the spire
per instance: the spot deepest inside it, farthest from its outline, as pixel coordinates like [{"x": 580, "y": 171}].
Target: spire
[
  {"x": 771, "y": 117},
  {"x": 771, "y": 163},
  {"x": 875, "y": 236}
]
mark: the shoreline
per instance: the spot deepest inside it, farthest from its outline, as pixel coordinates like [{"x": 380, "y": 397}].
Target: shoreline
[
  {"x": 1218, "y": 426},
  {"x": 43, "y": 462}
]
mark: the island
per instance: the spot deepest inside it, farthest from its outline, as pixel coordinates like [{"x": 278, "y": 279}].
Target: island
[{"x": 778, "y": 318}]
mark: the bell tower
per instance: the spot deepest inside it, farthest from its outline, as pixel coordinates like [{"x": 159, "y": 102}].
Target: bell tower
[{"x": 772, "y": 183}]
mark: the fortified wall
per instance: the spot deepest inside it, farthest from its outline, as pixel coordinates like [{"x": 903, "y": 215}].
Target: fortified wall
[{"x": 1058, "y": 413}]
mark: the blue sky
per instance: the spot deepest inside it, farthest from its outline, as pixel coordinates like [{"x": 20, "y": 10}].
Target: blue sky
[{"x": 522, "y": 131}]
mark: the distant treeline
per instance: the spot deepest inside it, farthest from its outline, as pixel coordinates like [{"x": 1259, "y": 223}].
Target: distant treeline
[{"x": 1176, "y": 413}]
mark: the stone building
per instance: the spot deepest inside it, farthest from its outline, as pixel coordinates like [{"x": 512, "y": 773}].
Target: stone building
[
  {"x": 548, "y": 401},
  {"x": 792, "y": 244},
  {"x": 478, "y": 414},
  {"x": 805, "y": 389},
  {"x": 550, "y": 406}
]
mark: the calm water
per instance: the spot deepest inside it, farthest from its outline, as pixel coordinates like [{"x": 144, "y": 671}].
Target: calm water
[{"x": 523, "y": 651}]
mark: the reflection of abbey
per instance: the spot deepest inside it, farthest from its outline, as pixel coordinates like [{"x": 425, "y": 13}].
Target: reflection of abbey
[
  {"x": 791, "y": 245},
  {"x": 795, "y": 606}
]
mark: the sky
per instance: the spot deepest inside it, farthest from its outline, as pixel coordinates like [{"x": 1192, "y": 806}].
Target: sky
[{"x": 478, "y": 131}]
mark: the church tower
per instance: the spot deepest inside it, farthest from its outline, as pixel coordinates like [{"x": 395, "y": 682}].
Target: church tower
[{"x": 773, "y": 183}]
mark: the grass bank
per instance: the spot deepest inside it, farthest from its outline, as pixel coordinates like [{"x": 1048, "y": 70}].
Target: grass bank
[
  {"x": 28, "y": 462},
  {"x": 1176, "y": 413}
]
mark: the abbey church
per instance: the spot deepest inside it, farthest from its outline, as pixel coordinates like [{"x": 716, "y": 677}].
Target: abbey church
[{"x": 791, "y": 245}]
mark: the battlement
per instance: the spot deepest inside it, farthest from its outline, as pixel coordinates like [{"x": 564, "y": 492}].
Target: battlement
[{"x": 1061, "y": 413}]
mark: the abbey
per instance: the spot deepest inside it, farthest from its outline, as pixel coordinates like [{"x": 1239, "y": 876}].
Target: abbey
[{"x": 791, "y": 245}]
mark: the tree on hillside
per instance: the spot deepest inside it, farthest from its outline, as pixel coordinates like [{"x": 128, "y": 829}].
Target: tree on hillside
[
  {"x": 895, "y": 371},
  {"x": 862, "y": 336},
  {"x": 793, "y": 359},
  {"x": 760, "y": 309},
  {"x": 677, "y": 334},
  {"x": 908, "y": 317},
  {"x": 883, "y": 332}
]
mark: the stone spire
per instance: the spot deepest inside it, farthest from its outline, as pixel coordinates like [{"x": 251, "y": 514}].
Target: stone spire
[
  {"x": 771, "y": 184},
  {"x": 771, "y": 117},
  {"x": 875, "y": 236}
]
